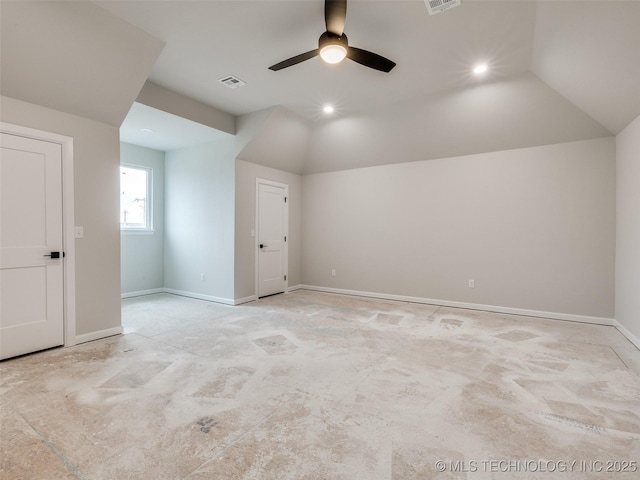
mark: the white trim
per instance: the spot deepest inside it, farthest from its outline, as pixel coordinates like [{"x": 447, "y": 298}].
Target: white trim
[
  {"x": 200, "y": 296},
  {"x": 250, "y": 298},
  {"x": 140, "y": 293},
  {"x": 402, "y": 298},
  {"x": 99, "y": 335},
  {"x": 133, "y": 231},
  {"x": 148, "y": 229},
  {"x": 183, "y": 293},
  {"x": 68, "y": 220},
  {"x": 471, "y": 306},
  {"x": 630, "y": 336}
]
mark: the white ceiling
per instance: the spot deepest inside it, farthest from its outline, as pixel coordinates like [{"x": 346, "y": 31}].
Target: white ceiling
[
  {"x": 585, "y": 50},
  {"x": 590, "y": 53},
  {"x": 516, "y": 112},
  {"x": 560, "y": 71},
  {"x": 169, "y": 132},
  {"x": 207, "y": 40}
]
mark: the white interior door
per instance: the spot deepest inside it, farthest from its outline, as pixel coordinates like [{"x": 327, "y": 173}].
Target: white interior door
[
  {"x": 272, "y": 211},
  {"x": 31, "y": 277}
]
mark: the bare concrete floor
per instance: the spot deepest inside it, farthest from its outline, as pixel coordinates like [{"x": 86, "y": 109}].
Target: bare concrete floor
[{"x": 319, "y": 386}]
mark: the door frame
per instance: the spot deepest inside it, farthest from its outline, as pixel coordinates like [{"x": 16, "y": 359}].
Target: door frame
[
  {"x": 262, "y": 181},
  {"x": 68, "y": 221}
]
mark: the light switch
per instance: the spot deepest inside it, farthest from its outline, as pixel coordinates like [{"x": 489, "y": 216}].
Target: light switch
[{"x": 79, "y": 232}]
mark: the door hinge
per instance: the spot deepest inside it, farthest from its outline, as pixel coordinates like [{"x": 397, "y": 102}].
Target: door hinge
[
  {"x": 285, "y": 239},
  {"x": 285, "y": 277},
  {"x": 285, "y": 199}
]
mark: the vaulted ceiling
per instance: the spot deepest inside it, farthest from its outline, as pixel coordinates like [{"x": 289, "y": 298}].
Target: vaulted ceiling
[
  {"x": 70, "y": 56},
  {"x": 558, "y": 71}
]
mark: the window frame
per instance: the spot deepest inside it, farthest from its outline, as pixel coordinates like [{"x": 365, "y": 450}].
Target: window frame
[{"x": 148, "y": 229}]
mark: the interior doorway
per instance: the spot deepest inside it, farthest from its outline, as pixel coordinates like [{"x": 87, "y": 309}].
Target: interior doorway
[
  {"x": 272, "y": 219},
  {"x": 36, "y": 241}
]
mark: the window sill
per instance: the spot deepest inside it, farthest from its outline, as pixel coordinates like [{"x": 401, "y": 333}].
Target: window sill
[{"x": 131, "y": 231}]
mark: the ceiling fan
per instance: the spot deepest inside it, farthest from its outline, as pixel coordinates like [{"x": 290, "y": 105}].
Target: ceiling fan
[{"x": 333, "y": 45}]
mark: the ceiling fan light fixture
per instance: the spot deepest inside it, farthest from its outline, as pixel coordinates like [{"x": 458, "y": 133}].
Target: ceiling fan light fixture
[
  {"x": 333, "y": 48},
  {"x": 333, "y": 45},
  {"x": 334, "y": 53}
]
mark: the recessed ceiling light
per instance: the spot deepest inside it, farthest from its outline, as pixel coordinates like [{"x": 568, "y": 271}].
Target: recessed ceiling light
[
  {"x": 327, "y": 109},
  {"x": 479, "y": 69},
  {"x": 147, "y": 130}
]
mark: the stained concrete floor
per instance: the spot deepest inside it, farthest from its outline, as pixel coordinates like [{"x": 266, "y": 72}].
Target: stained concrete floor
[{"x": 311, "y": 385}]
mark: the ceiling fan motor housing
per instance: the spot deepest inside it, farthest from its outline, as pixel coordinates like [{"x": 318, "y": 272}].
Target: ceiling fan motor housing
[{"x": 328, "y": 38}]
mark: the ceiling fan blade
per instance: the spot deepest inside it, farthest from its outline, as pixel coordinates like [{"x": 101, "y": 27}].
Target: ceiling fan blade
[
  {"x": 294, "y": 60},
  {"x": 335, "y": 14},
  {"x": 370, "y": 59}
]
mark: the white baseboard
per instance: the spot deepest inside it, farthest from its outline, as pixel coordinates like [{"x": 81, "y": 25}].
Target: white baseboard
[
  {"x": 184, "y": 293},
  {"x": 471, "y": 306},
  {"x": 253, "y": 298},
  {"x": 383, "y": 296},
  {"x": 140, "y": 293},
  {"x": 240, "y": 301},
  {"x": 90, "y": 337},
  {"x": 630, "y": 336},
  {"x": 199, "y": 296}
]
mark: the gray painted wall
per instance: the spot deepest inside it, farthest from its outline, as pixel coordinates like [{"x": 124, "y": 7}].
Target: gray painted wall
[
  {"x": 96, "y": 148},
  {"x": 199, "y": 219},
  {"x": 142, "y": 255},
  {"x": 246, "y": 174},
  {"x": 534, "y": 227},
  {"x": 628, "y": 228}
]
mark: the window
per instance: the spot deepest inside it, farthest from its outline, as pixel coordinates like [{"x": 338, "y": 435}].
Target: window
[{"x": 135, "y": 198}]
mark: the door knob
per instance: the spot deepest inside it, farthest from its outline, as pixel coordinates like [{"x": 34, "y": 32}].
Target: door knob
[
  {"x": 263, "y": 245},
  {"x": 53, "y": 255}
]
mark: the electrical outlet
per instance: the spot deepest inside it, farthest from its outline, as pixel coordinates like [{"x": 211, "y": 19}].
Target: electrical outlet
[
  {"x": 333, "y": 273},
  {"x": 78, "y": 232},
  {"x": 472, "y": 284}
]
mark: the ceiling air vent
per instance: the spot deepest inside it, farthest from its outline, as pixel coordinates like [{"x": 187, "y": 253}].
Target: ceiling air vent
[
  {"x": 231, "y": 81},
  {"x": 439, "y": 6}
]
